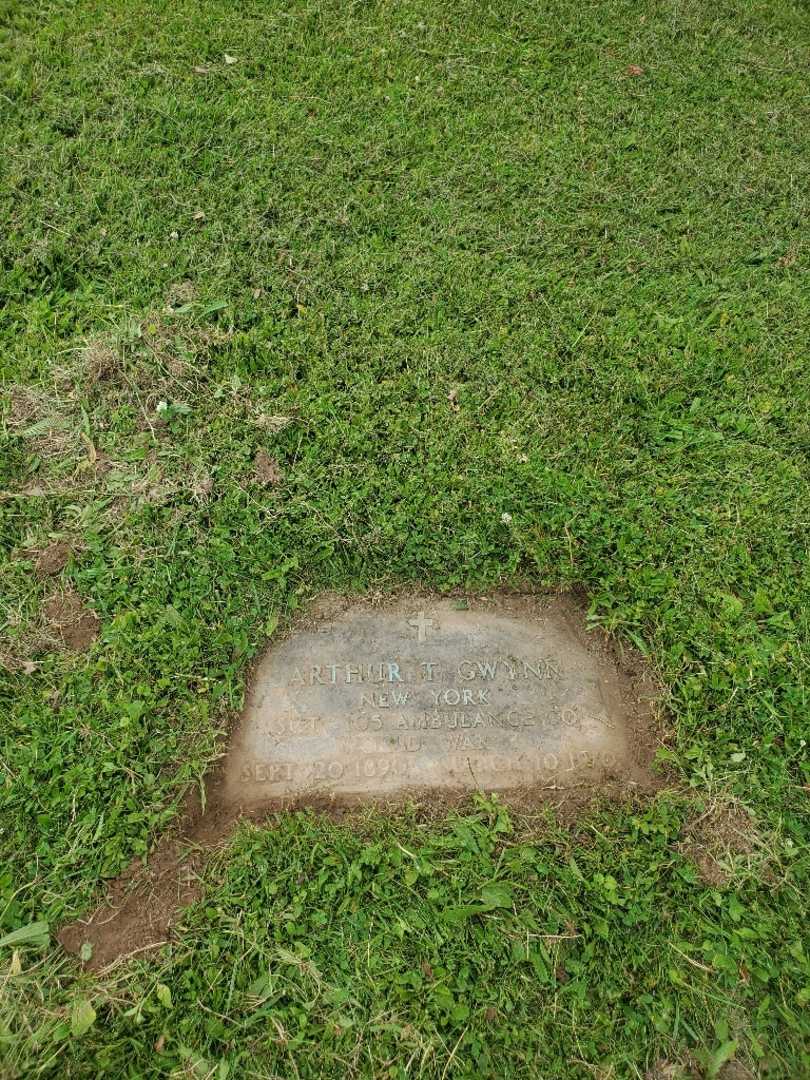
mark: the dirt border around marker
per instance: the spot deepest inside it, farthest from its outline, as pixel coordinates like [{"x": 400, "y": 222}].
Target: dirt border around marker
[{"x": 145, "y": 902}]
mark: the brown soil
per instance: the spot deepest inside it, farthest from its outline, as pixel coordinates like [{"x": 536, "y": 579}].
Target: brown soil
[
  {"x": 77, "y": 625},
  {"x": 712, "y": 840},
  {"x": 145, "y": 903},
  {"x": 266, "y": 470},
  {"x": 52, "y": 559}
]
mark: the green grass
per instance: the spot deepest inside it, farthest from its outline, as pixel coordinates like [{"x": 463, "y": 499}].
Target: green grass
[{"x": 443, "y": 263}]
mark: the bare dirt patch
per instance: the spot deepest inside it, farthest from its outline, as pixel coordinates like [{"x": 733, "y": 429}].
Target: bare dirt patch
[
  {"x": 52, "y": 559},
  {"x": 266, "y": 470},
  {"x": 144, "y": 904},
  {"x": 76, "y": 624},
  {"x": 713, "y": 839},
  {"x": 64, "y": 622}
]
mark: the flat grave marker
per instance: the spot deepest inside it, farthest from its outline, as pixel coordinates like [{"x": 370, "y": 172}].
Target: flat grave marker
[{"x": 419, "y": 696}]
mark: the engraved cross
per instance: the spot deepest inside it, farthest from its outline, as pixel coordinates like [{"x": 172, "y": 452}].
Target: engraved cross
[{"x": 422, "y": 625}]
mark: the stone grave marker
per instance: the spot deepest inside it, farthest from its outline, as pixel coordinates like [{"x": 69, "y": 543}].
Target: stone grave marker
[{"x": 434, "y": 696}]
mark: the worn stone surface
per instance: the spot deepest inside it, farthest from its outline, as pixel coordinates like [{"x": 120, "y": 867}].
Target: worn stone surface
[{"x": 423, "y": 696}]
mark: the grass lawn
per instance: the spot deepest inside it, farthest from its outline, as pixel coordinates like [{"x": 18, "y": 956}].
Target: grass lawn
[{"x": 349, "y": 295}]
